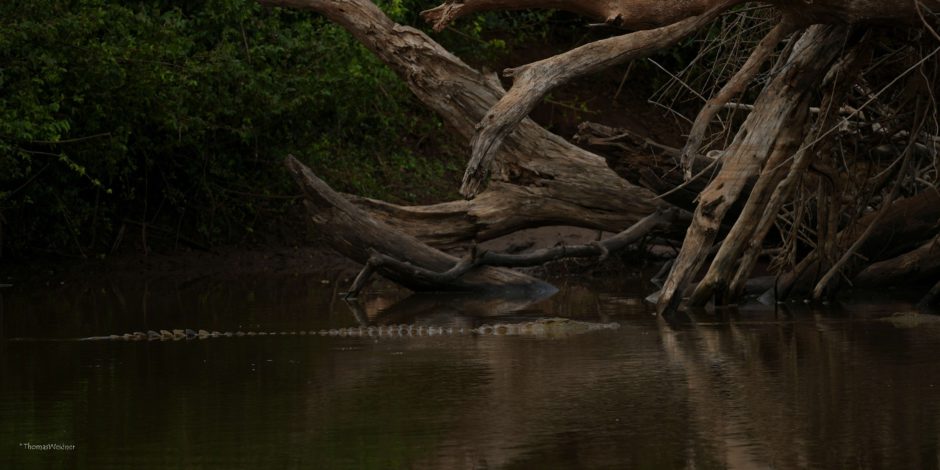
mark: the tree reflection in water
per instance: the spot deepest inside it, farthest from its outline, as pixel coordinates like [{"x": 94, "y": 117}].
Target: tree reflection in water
[{"x": 736, "y": 389}]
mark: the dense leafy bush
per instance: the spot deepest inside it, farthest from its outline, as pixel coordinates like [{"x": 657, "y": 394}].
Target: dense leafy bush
[{"x": 177, "y": 114}]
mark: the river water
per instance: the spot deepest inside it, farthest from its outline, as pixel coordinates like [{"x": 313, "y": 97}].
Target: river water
[{"x": 844, "y": 387}]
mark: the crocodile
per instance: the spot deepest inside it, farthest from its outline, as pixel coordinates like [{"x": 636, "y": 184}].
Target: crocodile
[{"x": 543, "y": 327}]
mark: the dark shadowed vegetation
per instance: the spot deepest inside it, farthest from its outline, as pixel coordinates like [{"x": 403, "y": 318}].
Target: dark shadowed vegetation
[{"x": 116, "y": 116}]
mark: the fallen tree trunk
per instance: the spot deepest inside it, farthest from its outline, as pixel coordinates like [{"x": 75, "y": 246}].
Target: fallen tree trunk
[
  {"x": 918, "y": 264},
  {"x": 599, "y": 249},
  {"x": 413, "y": 264},
  {"x": 537, "y": 178},
  {"x": 355, "y": 234},
  {"x": 767, "y": 135},
  {"x": 540, "y": 178},
  {"x": 533, "y": 81},
  {"x": 502, "y": 209}
]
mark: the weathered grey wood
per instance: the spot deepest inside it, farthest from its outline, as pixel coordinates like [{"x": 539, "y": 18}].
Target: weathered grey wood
[
  {"x": 352, "y": 232},
  {"x": 734, "y": 87},
  {"x": 539, "y": 179},
  {"x": 533, "y": 81},
  {"x": 765, "y": 134},
  {"x": 837, "y": 84},
  {"x": 600, "y": 249}
]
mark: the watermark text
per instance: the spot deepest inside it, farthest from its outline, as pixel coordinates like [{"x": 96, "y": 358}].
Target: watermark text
[{"x": 45, "y": 447}]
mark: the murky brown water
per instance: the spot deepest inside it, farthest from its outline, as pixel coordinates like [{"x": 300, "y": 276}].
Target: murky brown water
[{"x": 748, "y": 389}]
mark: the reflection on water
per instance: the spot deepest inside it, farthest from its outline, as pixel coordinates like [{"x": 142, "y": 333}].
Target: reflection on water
[{"x": 743, "y": 389}]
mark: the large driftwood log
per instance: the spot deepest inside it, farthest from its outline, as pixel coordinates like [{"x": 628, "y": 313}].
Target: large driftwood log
[
  {"x": 355, "y": 234},
  {"x": 921, "y": 263},
  {"x": 766, "y": 136},
  {"x": 599, "y": 249},
  {"x": 533, "y": 81},
  {"x": 539, "y": 179},
  {"x": 502, "y": 209}
]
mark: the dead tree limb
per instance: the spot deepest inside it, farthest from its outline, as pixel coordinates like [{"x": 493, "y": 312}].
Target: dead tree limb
[
  {"x": 785, "y": 99},
  {"x": 600, "y": 249},
  {"x": 540, "y": 178},
  {"x": 629, "y": 14},
  {"x": 502, "y": 209},
  {"x": 533, "y": 81},
  {"x": 743, "y": 232},
  {"x": 732, "y": 88},
  {"x": 909, "y": 223},
  {"x": 827, "y": 279},
  {"x": 352, "y": 232},
  {"x": 535, "y": 172},
  {"x": 838, "y": 82},
  {"x": 923, "y": 262}
]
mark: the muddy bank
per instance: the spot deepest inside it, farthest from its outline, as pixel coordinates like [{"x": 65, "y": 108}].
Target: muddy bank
[{"x": 234, "y": 262}]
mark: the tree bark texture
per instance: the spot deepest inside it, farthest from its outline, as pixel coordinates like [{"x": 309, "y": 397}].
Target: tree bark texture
[
  {"x": 768, "y": 133},
  {"x": 355, "y": 234},
  {"x": 537, "y": 178},
  {"x": 540, "y": 178}
]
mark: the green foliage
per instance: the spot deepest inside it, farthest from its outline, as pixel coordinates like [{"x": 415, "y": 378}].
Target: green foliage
[{"x": 178, "y": 114}]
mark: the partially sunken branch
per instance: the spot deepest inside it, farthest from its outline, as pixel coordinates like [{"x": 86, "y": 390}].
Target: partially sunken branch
[{"x": 600, "y": 249}]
